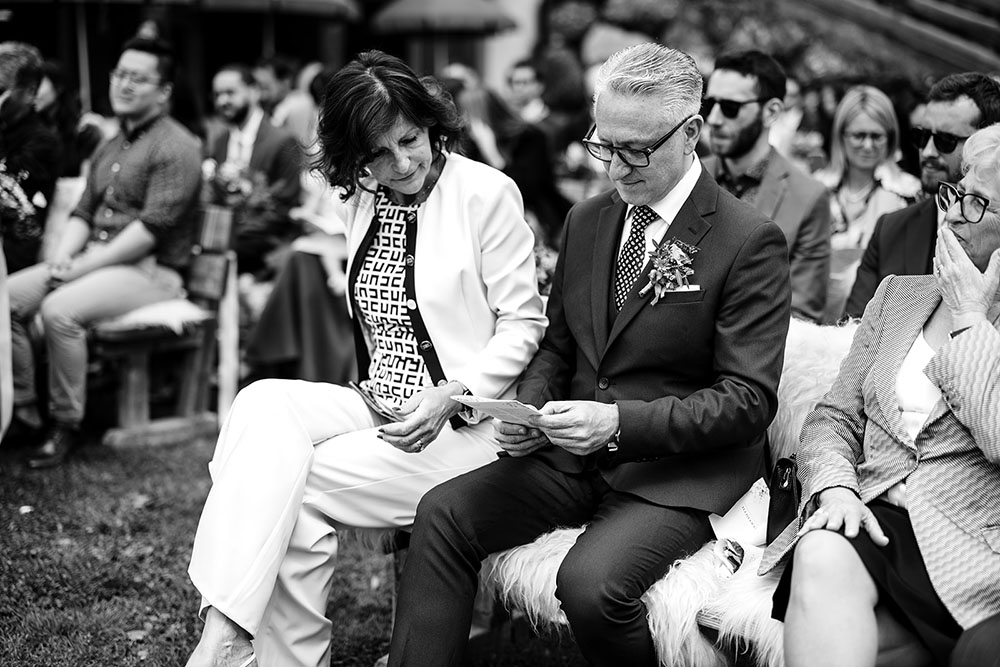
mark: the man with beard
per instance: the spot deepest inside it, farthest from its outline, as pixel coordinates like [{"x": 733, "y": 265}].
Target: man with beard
[
  {"x": 903, "y": 241},
  {"x": 269, "y": 158},
  {"x": 744, "y": 98}
]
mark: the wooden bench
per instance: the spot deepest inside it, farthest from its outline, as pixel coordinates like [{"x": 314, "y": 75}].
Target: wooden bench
[
  {"x": 697, "y": 616},
  {"x": 187, "y": 326}
]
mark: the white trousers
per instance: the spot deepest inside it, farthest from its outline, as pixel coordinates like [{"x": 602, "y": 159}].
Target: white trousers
[{"x": 294, "y": 461}]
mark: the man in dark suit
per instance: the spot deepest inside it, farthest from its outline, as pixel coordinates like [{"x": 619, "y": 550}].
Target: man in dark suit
[
  {"x": 744, "y": 98},
  {"x": 267, "y": 156},
  {"x": 652, "y": 415},
  {"x": 902, "y": 242}
]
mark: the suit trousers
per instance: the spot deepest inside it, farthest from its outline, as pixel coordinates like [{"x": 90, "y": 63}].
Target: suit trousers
[
  {"x": 628, "y": 545},
  {"x": 294, "y": 461},
  {"x": 67, "y": 311}
]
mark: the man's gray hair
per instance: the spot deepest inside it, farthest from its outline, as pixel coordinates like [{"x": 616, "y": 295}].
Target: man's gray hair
[{"x": 653, "y": 70}]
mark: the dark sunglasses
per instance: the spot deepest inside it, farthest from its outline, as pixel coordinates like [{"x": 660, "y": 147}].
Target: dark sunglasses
[
  {"x": 943, "y": 141},
  {"x": 730, "y": 108}
]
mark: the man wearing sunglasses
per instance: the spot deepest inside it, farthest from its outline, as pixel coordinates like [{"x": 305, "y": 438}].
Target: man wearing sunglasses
[
  {"x": 652, "y": 415},
  {"x": 902, "y": 242},
  {"x": 744, "y": 98}
]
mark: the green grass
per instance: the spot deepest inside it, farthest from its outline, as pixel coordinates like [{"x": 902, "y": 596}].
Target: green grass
[{"x": 93, "y": 569}]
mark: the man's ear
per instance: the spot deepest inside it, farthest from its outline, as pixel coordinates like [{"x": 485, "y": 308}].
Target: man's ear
[
  {"x": 692, "y": 130},
  {"x": 166, "y": 92},
  {"x": 770, "y": 111}
]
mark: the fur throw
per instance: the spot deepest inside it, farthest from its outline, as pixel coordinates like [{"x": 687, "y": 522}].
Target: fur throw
[
  {"x": 695, "y": 591},
  {"x": 175, "y": 315}
]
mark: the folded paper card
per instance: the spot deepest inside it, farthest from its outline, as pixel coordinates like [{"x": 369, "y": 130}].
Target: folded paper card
[{"x": 510, "y": 411}]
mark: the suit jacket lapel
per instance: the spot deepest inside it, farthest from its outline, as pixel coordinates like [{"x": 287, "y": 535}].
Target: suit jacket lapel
[
  {"x": 772, "y": 186},
  {"x": 609, "y": 228},
  {"x": 918, "y": 252},
  {"x": 688, "y": 226},
  {"x": 910, "y": 312}
]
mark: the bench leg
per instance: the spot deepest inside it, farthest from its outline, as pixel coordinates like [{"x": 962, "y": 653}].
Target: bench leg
[{"x": 133, "y": 392}]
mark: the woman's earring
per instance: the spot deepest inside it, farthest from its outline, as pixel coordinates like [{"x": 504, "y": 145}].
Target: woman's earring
[{"x": 365, "y": 172}]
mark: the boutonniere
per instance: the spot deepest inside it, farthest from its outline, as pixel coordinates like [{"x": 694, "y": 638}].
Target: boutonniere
[{"x": 671, "y": 268}]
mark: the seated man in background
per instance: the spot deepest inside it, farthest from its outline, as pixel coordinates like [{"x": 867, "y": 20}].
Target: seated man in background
[
  {"x": 903, "y": 241},
  {"x": 257, "y": 170},
  {"x": 744, "y": 98},
  {"x": 126, "y": 244}
]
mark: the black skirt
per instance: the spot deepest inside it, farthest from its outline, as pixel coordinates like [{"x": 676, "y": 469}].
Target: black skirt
[{"x": 901, "y": 577}]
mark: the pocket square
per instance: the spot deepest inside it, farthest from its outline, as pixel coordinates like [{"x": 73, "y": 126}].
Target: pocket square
[{"x": 684, "y": 288}]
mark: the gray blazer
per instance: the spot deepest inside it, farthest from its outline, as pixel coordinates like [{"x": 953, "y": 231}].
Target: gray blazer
[
  {"x": 800, "y": 206},
  {"x": 855, "y": 439}
]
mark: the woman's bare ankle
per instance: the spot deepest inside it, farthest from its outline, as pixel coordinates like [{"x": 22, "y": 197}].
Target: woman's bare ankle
[{"x": 223, "y": 643}]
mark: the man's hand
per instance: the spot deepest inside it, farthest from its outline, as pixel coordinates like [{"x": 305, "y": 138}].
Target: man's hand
[
  {"x": 518, "y": 440},
  {"x": 579, "y": 427},
  {"x": 841, "y": 510},
  {"x": 425, "y": 415}
]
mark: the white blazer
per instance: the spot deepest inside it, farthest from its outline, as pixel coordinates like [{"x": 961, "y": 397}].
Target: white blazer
[{"x": 474, "y": 274}]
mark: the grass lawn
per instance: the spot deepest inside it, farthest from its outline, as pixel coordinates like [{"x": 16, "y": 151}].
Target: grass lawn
[{"x": 93, "y": 569}]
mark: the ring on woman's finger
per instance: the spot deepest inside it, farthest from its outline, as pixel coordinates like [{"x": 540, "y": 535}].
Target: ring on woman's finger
[{"x": 419, "y": 444}]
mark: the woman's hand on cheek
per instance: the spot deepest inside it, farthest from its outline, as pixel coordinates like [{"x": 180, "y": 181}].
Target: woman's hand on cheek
[{"x": 967, "y": 292}]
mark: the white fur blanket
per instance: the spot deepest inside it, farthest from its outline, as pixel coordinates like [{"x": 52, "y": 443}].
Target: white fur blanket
[
  {"x": 174, "y": 314},
  {"x": 695, "y": 591}
]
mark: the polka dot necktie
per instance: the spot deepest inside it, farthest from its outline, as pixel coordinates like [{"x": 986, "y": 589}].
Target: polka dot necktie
[{"x": 633, "y": 254}]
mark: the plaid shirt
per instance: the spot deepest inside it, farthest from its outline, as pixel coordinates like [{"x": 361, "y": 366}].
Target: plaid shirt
[
  {"x": 746, "y": 185},
  {"x": 151, "y": 174}
]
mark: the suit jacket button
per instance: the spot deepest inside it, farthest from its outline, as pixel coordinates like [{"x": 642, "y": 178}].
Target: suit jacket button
[{"x": 603, "y": 383}]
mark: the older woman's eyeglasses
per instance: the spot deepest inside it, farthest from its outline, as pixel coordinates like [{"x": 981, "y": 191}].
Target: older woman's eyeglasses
[
  {"x": 633, "y": 157},
  {"x": 973, "y": 206}
]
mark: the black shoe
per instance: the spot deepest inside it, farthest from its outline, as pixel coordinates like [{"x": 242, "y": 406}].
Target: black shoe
[
  {"x": 56, "y": 447},
  {"x": 20, "y": 433}
]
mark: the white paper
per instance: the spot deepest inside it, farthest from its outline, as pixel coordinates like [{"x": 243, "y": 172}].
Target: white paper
[
  {"x": 510, "y": 411},
  {"x": 746, "y": 522}
]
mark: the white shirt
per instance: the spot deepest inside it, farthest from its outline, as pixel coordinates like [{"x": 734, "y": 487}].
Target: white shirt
[
  {"x": 666, "y": 208},
  {"x": 241, "y": 140}
]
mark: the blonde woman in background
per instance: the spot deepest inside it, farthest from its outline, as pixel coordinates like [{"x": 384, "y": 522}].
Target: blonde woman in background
[{"x": 865, "y": 182}]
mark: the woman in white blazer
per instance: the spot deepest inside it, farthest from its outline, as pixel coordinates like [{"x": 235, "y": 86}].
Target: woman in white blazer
[
  {"x": 902, "y": 458},
  {"x": 441, "y": 284}
]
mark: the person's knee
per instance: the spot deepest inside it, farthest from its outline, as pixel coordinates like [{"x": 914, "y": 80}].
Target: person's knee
[
  {"x": 439, "y": 509},
  {"x": 260, "y": 397},
  {"x": 55, "y": 317},
  {"x": 588, "y": 597},
  {"x": 825, "y": 560}
]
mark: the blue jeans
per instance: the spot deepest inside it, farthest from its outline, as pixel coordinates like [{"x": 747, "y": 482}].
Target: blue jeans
[{"x": 67, "y": 311}]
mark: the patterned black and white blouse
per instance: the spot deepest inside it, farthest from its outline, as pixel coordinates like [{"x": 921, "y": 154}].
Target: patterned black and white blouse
[{"x": 396, "y": 370}]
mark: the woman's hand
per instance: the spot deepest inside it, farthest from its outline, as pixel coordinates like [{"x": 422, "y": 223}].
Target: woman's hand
[
  {"x": 839, "y": 509},
  {"x": 425, "y": 414},
  {"x": 967, "y": 292}
]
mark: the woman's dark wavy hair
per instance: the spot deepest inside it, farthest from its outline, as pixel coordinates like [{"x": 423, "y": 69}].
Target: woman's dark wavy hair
[{"x": 363, "y": 101}]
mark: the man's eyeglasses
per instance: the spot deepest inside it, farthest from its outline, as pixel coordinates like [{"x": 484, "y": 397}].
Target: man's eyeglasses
[
  {"x": 858, "y": 139},
  {"x": 136, "y": 79},
  {"x": 944, "y": 142},
  {"x": 730, "y": 108},
  {"x": 973, "y": 206},
  {"x": 633, "y": 157}
]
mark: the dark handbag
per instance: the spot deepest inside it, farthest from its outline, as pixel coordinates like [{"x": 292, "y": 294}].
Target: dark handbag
[{"x": 785, "y": 492}]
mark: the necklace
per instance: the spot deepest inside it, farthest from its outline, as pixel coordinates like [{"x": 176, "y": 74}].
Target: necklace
[
  {"x": 860, "y": 195},
  {"x": 418, "y": 198}
]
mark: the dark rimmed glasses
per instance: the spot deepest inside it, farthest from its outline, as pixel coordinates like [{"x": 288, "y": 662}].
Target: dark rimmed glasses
[
  {"x": 730, "y": 108},
  {"x": 944, "y": 142},
  {"x": 972, "y": 206},
  {"x": 633, "y": 157}
]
